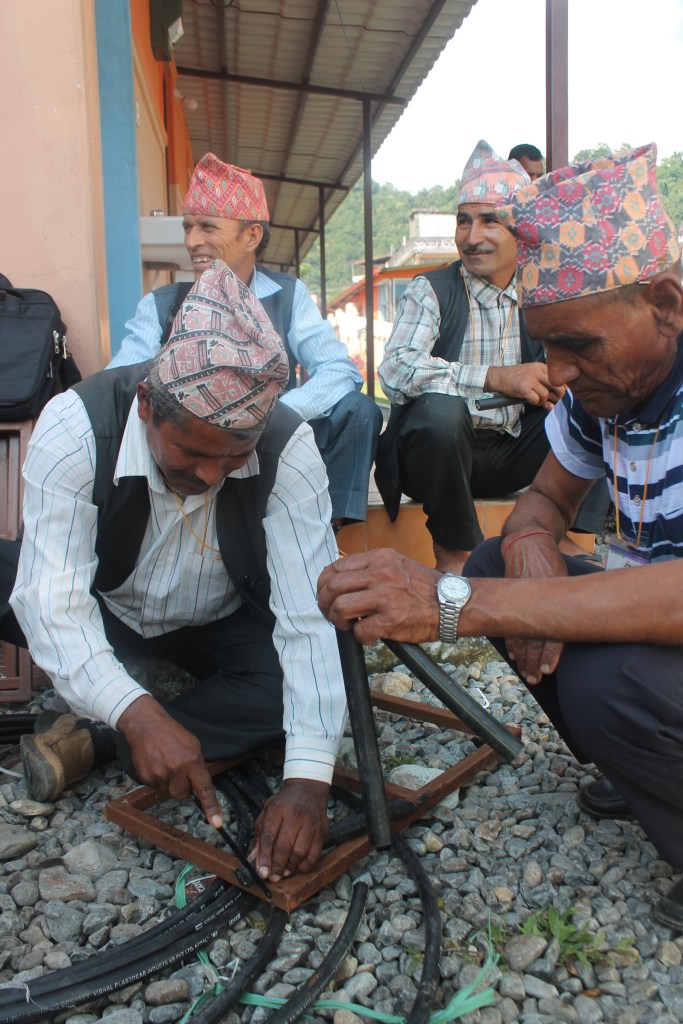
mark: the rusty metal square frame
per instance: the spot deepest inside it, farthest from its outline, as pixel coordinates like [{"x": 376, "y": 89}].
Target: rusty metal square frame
[{"x": 130, "y": 811}]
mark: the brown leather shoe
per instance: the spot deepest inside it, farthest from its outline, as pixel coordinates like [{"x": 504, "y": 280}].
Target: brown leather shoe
[{"x": 55, "y": 758}]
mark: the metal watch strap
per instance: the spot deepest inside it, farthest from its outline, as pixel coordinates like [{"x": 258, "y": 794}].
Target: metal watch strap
[{"x": 449, "y": 614}]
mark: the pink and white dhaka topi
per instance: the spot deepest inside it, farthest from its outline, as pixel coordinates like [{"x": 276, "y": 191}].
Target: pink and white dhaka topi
[{"x": 224, "y": 362}]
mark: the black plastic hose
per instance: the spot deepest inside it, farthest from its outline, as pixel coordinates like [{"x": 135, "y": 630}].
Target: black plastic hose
[
  {"x": 320, "y": 979},
  {"x": 217, "y": 1008},
  {"x": 429, "y": 980}
]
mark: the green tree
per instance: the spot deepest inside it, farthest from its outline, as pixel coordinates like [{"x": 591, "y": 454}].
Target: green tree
[
  {"x": 602, "y": 149},
  {"x": 670, "y": 184},
  {"x": 344, "y": 232}
]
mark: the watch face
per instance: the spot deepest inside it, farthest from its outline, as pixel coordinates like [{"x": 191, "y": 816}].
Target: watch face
[{"x": 454, "y": 588}]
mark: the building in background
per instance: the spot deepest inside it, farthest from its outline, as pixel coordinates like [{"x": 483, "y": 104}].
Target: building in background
[{"x": 430, "y": 243}]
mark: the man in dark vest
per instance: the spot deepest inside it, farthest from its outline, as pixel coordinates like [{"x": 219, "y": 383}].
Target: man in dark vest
[
  {"x": 225, "y": 216},
  {"x": 458, "y": 338},
  {"x": 602, "y": 651},
  {"x": 177, "y": 509}
]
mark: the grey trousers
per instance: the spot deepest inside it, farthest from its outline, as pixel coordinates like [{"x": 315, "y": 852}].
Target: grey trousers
[
  {"x": 347, "y": 440},
  {"x": 621, "y": 707}
]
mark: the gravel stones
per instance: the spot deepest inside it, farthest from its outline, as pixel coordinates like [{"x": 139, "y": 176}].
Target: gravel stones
[{"x": 510, "y": 843}]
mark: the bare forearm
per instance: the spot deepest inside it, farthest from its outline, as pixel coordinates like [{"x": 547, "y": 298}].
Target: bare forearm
[
  {"x": 534, "y": 511},
  {"x": 550, "y": 503},
  {"x": 383, "y": 594},
  {"x": 622, "y": 606}
]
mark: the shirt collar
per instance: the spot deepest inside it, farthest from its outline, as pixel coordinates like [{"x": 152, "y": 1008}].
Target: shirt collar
[
  {"x": 261, "y": 285},
  {"x": 135, "y": 459},
  {"x": 488, "y": 294},
  {"x": 652, "y": 409}
]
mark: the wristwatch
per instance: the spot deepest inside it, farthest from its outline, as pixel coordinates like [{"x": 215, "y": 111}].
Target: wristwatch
[{"x": 453, "y": 593}]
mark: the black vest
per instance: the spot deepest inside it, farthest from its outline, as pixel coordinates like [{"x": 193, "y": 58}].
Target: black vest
[
  {"x": 449, "y": 287},
  {"x": 123, "y": 510},
  {"x": 170, "y": 297}
]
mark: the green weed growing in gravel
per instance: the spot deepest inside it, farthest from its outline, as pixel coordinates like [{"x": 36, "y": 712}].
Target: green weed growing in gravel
[
  {"x": 394, "y": 760},
  {"x": 576, "y": 942}
]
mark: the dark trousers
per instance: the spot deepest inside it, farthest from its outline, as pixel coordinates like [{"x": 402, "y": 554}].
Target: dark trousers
[
  {"x": 446, "y": 464},
  {"x": 10, "y": 631},
  {"x": 347, "y": 440},
  {"x": 235, "y": 706},
  {"x": 621, "y": 707}
]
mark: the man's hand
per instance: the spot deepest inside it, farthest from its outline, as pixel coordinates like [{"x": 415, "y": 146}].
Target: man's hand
[
  {"x": 534, "y": 557},
  {"x": 381, "y": 594},
  {"x": 526, "y": 381},
  {"x": 291, "y": 830},
  {"x": 167, "y": 756}
]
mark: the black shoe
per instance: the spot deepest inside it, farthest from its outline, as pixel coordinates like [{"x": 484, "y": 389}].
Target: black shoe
[
  {"x": 599, "y": 799},
  {"x": 669, "y": 909}
]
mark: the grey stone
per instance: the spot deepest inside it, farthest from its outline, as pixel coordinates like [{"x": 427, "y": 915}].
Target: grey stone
[
  {"x": 167, "y": 1014},
  {"x": 26, "y": 893},
  {"x": 158, "y": 993},
  {"x": 558, "y": 1010},
  {"x": 56, "y": 883},
  {"x": 539, "y": 989},
  {"x": 121, "y": 1015},
  {"x": 31, "y": 808},
  {"x": 360, "y": 987},
  {"x": 522, "y": 950},
  {"x": 62, "y": 920},
  {"x": 111, "y": 887},
  {"x": 90, "y": 859},
  {"x": 15, "y": 841}
]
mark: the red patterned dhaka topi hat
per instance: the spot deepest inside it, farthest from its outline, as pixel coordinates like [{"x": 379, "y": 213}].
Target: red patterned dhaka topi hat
[
  {"x": 224, "y": 361},
  {"x": 489, "y": 179},
  {"x": 590, "y": 227},
  {"x": 223, "y": 190}
]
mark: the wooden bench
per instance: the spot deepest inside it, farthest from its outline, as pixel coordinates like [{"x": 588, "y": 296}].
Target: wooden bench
[
  {"x": 16, "y": 666},
  {"x": 409, "y": 534}
]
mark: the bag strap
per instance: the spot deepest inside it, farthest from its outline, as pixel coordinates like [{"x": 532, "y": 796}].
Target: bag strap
[{"x": 5, "y": 283}]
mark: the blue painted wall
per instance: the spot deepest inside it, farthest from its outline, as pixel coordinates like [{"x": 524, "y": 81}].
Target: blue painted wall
[{"x": 119, "y": 163}]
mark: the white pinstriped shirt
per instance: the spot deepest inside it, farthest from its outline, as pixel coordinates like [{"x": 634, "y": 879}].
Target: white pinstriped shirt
[{"x": 173, "y": 584}]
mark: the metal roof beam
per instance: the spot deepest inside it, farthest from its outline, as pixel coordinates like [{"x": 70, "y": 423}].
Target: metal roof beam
[
  {"x": 272, "y": 83},
  {"x": 294, "y": 227},
  {"x": 314, "y": 35},
  {"x": 301, "y": 181}
]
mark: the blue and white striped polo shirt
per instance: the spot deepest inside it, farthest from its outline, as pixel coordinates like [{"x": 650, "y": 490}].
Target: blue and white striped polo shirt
[{"x": 584, "y": 445}]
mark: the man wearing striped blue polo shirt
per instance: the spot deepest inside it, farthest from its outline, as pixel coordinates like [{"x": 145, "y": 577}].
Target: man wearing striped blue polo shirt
[{"x": 599, "y": 280}]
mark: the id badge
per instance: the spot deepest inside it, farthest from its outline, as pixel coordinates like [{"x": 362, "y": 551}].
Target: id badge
[{"x": 621, "y": 557}]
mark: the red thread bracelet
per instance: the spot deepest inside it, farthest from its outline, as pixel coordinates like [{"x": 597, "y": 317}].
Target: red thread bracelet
[{"x": 504, "y": 547}]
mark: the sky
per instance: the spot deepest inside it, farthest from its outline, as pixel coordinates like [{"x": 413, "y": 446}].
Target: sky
[{"x": 625, "y": 61}]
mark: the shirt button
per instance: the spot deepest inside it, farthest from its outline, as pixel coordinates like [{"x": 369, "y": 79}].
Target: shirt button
[
  {"x": 636, "y": 427},
  {"x": 632, "y": 466},
  {"x": 636, "y": 500}
]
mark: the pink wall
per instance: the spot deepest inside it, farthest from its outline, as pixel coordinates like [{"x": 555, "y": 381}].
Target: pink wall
[{"x": 52, "y": 233}]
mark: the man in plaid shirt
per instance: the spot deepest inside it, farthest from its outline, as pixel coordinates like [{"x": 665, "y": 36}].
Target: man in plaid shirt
[{"x": 457, "y": 338}]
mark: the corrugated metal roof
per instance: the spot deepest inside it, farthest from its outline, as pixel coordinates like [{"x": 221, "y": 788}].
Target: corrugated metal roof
[{"x": 279, "y": 86}]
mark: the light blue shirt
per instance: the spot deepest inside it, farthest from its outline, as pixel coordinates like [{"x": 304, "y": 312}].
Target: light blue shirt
[{"x": 311, "y": 340}]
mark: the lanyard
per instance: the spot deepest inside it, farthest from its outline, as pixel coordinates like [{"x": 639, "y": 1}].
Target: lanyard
[
  {"x": 644, "y": 498},
  {"x": 202, "y": 539}
]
